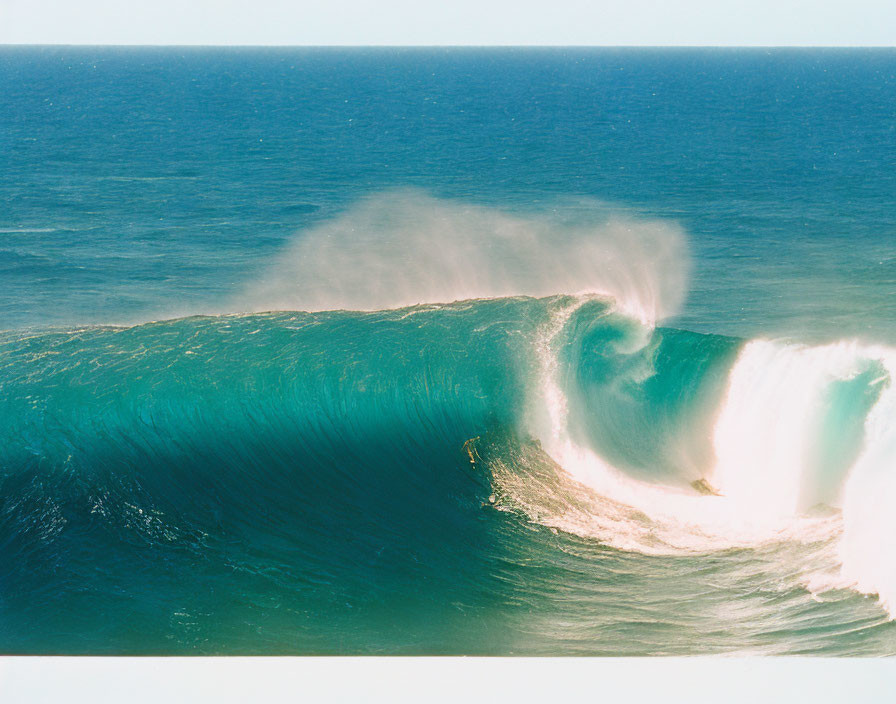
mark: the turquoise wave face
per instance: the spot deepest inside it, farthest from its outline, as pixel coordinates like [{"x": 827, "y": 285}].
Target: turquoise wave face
[
  {"x": 639, "y": 395},
  {"x": 314, "y": 462},
  {"x": 382, "y": 482}
]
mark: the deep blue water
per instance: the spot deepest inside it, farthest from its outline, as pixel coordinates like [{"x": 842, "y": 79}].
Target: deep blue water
[
  {"x": 180, "y": 172},
  {"x": 402, "y": 481}
]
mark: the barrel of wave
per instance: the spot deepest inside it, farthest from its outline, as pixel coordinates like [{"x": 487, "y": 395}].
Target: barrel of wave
[{"x": 788, "y": 432}]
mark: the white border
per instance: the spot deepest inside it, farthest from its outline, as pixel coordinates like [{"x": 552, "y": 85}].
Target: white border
[{"x": 423, "y": 680}]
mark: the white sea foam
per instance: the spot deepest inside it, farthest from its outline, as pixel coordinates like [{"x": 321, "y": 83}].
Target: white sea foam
[
  {"x": 406, "y": 247},
  {"x": 25, "y": 230},
  {"x": 868, "y": 547},
  {"x": 765, "y": 434}
]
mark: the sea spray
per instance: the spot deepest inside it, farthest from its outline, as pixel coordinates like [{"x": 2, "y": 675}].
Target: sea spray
[{"x": 406, "y": 247}]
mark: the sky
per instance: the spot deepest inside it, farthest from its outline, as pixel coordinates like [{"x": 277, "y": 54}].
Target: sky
[{"x": 451, "y": 22}]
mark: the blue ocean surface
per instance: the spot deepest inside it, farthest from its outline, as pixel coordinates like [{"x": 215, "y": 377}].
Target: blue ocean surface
[{"x": 447, "y": 351}]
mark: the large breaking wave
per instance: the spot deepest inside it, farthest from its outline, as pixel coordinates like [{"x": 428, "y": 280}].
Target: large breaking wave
[
  {"x": 660, "y": 440},
  {"x": 309, "y": 447}
]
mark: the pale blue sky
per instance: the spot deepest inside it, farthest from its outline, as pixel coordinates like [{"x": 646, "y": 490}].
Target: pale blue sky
[{"x": 416, "y": 22}]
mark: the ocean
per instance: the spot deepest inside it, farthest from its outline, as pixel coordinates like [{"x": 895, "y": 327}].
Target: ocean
[{"x": 447, "y": 351}]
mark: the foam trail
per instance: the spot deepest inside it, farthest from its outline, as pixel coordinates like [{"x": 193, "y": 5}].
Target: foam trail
[{"x": 405, "y": 247}]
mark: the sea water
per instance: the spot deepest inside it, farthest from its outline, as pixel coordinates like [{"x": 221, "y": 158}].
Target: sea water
[{"x": 465, "y": 351}]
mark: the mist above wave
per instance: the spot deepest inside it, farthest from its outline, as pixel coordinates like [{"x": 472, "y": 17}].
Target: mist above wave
[{"x": 406, "y": 247}]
